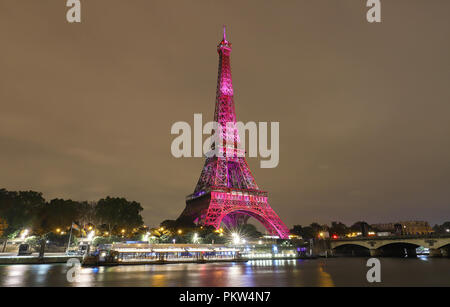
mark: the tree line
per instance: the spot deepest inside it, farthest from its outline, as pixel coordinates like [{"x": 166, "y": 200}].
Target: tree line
[
  {"x": 29, "y": 210},
  {"x": 312, "y": 231},
  {"x": 340, "y": 229}
]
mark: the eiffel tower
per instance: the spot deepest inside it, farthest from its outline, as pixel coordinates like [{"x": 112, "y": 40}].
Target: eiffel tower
[{"x": 226, "y": 190}]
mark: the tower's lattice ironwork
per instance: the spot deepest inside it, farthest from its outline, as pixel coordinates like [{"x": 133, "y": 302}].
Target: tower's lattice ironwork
[{"x": 226, "y": 190}]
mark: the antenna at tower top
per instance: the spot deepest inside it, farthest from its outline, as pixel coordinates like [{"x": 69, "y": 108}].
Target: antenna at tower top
[{"x": 224, "y": 33}]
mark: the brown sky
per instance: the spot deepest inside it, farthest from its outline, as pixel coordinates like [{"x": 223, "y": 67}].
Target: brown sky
[{"x": 364, "y": 109}]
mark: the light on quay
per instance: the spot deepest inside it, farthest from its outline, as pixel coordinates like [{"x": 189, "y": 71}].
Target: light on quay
[
  {"x": 236, "y": 238},
  {"x": 145, "y": 237},
  {"x": 90, "y": 236},
  {"x": 24, "y": 234},
  {"x": 275, "y": 249}
]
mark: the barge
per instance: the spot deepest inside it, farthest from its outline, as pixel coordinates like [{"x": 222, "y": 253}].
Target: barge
[{"x": 142, "y": 253}]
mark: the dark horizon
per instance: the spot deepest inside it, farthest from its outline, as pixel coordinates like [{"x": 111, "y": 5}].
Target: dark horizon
[{"x": 363, "y": 108}]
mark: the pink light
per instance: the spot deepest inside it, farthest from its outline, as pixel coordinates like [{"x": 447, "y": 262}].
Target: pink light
[
  {"x": 224, "y": 33},
  {"x": 232, "y": 187}
]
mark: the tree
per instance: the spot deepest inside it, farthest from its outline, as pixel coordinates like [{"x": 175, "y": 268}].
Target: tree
[
  {"x": 105, "y": 240},
  {"x": 119, "y": 213},
  {"x": 56, "y": 214},
  {"x": 28, "y": 209},
  {"x": 185, "y": 222},
  {"x": 362, "y": 227},
  {"x": 338, "y": 228},
  {"x": 297, "y": 230},
  {"x": 307, "y": 232},
  {"x": 87, "y": 213},
  {"x": 248, "y": 231},
  {"x": 442, "y": 229},
  {"x": 214, "y": 238},
  {"x": 169, "y": 225},
  {"x": 34, "y": 242},
  {"x": 19, "y": 208},
  {"x": 316, "y": 227}
]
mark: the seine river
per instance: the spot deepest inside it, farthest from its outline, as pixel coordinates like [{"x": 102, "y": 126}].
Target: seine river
[{"x": 265, "y": 273}]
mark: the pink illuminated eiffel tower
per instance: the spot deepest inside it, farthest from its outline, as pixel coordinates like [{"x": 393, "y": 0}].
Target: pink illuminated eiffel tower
[{"x": 226, "y": 191}]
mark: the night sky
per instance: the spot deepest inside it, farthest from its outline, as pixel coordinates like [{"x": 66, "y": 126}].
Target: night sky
[{"x": 364, "y": 109}]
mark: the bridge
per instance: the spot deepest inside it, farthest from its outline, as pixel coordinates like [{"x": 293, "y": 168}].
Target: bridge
[{"x": 438, "y": 245}]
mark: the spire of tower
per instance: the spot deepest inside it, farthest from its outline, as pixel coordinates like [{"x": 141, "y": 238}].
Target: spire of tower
[{"x": 224, "y": 42}]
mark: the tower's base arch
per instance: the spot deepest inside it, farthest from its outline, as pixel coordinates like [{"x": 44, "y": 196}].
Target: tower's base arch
[{"x": 211, "y": 209}]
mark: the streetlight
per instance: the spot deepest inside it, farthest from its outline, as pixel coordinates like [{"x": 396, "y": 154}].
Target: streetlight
[
  {"x": 195, "y": 238},
  {"x": 24, "y": 234},
  {"x": 275, "y": 249},
  {"x": 173, "y": 241},
  {"x": 146, "y": 236},
  {"x": 90, "y": 236},
  {"x": 180, "y": 231},
  {"x": 236, "y": 238}
]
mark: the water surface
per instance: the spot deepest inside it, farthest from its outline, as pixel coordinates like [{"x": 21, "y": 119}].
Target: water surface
[{"x": 261, "y": 273}]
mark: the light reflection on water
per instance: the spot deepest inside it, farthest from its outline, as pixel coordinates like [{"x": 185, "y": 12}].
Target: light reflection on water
[
  {"x": 325, "y": 279},
  {"x": 262, "y": 273}
]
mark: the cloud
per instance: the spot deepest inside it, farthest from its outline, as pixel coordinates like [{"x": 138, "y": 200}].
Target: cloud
[{"x": 91, "y": 156}]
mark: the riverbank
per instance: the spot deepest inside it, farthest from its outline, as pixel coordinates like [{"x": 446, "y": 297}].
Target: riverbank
[
  {"x": 156, "y": 262},
  {"x": 34, "y": 259}
]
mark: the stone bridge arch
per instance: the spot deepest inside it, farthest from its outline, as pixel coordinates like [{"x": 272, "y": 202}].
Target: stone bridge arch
[
  {"x": 351, "y": 249},
  {"x": 443, "y": 243},
  {"x": 337, "y": 244}
]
